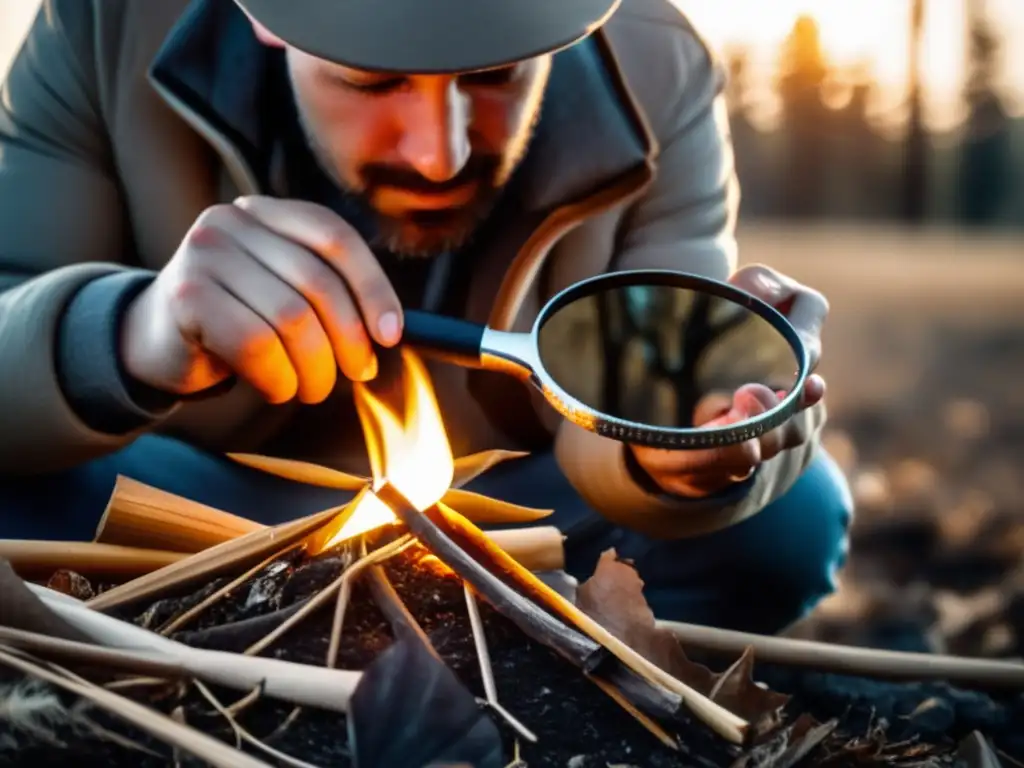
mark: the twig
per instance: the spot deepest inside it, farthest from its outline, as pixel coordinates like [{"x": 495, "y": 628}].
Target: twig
[
  {"x": 659, "y": 733},
  {"x": 243, "y": 735},
  {"x": 344, "y": 588},
  {"x": 850, "y": 660},
  {"x": 285, "y": 724},
  {"x": 486, "y": 669},
  {"x": 246, "y": 701},
  {"x": 403, "y": 623},
  {"x": 159, "y": 725},
  {"x": 178, "y": 716},
  {"x": 196, "y": 610},
  {"x": 321, "y": 598},
  {"x": 136, "y": 682},
  {"x": 517, "y": 761},
  {"x": 483, "y": 655}
]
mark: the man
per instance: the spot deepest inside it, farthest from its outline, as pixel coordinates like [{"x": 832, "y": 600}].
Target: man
[{"x": 212, "y": 213}]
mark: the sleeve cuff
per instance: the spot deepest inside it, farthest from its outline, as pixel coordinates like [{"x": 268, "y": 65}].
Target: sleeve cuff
[
  {"x": 88, "y": 358},
  {"x": 597, "y": 467},
  {"x": 734, "y": 494}
]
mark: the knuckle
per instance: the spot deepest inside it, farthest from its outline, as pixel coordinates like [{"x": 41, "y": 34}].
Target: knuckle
[
  {"x": 187, "y": 297},
  {"x": 217, "y": 215},
  {"x": 293, "y": 316},
  {"x": 256, "y": 346},
  {"x": 375, "y": 293},
  {"x": 317, "y": 281}
]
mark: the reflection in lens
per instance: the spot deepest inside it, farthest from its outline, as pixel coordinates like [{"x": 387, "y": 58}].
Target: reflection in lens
[{"x": 653, "y": 354}]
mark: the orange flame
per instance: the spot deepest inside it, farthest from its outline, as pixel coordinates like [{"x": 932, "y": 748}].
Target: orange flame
[{"x": 411, "y": 451}]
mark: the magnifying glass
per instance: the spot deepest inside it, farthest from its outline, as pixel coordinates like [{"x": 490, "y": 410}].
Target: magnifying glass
[{"x": 643, "y": 357}]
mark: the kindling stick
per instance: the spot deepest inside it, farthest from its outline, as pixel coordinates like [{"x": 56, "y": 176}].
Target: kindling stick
[
  {"x": 297, "y": 683},
  {"x": 869, "y": 662}
]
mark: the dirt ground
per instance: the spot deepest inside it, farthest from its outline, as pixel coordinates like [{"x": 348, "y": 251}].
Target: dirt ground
[{"x": 924, "y": 355}]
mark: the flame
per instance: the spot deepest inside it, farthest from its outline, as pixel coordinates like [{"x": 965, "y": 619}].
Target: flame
[{"x": 410, "y": 451}]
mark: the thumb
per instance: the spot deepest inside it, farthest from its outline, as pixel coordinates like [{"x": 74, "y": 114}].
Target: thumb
[{"x": 749, "y": 401}]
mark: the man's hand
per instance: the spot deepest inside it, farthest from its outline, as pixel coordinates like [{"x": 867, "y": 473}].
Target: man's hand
[
  {"x": 280, "y": 293},
  {"x": 696, "y": 474}
]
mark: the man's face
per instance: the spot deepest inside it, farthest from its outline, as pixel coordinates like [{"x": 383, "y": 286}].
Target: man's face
[{"x": 428, "y": 154}]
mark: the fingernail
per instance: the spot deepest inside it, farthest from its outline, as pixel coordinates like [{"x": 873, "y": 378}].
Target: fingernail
[
  {"x": 770, "y": 286},
  {"x": 390, "y": 328},
  {"x": 370, "y": 371}
]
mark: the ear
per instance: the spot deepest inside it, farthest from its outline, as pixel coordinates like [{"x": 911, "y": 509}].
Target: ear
[{"x": 263, "y": 34}]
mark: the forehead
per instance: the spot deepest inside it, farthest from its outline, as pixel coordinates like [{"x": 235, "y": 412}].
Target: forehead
[{"x": 351, "y": 73}]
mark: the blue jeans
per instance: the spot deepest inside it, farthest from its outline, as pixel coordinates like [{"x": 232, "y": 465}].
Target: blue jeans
[{"x": 760, "y": 575}]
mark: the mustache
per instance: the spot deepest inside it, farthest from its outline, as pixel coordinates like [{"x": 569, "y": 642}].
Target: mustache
[{"x": 479, "y": 168}]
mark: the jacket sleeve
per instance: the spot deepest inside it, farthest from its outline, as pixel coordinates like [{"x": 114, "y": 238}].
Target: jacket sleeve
[
  {"x": 685, "y": 221},
  {"x": 64, "y": 254}
]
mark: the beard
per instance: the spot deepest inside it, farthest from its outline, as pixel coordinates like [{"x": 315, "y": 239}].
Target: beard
[{"x": 424, "y": 233}]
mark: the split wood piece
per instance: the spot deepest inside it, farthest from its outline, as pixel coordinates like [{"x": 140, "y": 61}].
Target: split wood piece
[
  {"x": 230, "y": 556},
  {"x": 726, "y": 724},
  {"x": 178, "y": 735},
  {"x": 533, "y": 620},
  {"x": 40, "y": 559},
  {"x": 868, "y": 662},
  {"x": 142, "y": 516},
  {"x": 295, "y": 683}
]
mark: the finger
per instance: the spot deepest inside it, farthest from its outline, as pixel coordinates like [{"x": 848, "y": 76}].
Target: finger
[
  {"x": 323, "y": 289},
  {"x": 814, "y": 391},
  {"x": 285, "y": 310},
  {"x": 326, "y": 234},
  {"x": 805, "y": 308},
  {"x": 730, "y": 460},
  {"x": 222, "y": 325},
  {"x": 699, "y": 486},
  {"x": 711, "y": 406}
]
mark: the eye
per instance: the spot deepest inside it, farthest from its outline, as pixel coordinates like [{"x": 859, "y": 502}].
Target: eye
[
  {"x": 370, "y": 86},
  {"x": 377, "y": 86},
  {"x": 490, "y": 78}
]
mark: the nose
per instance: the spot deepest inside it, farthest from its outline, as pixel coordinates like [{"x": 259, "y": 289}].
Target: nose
[{"x": 436, "y": 134}]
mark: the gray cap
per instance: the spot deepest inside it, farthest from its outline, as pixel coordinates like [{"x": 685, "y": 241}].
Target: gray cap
[{"x": 429, "y": 36}]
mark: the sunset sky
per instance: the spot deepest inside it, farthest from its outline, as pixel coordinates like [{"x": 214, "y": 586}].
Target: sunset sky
[{"x": 874, "y": 31}]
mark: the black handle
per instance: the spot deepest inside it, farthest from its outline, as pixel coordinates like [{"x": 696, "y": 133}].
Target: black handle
[{"x": 448, "y": 338}]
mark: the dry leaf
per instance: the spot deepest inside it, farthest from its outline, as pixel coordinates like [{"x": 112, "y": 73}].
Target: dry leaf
[
  {"x": 469, "y": 468},
  {"x": 789, "y": 746},
  {"x": 301, "y": 471},
  {"x": 614, "y": 597},
  {"x": 736, "y": 690},
  {"x": 483, "y": 509}
]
